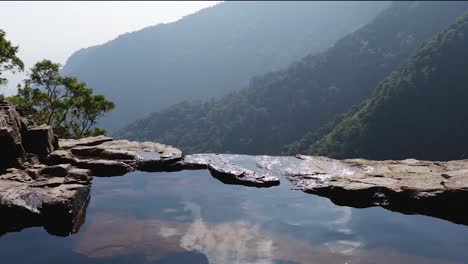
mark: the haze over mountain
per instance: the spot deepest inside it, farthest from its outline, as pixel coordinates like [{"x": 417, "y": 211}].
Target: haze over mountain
[
  {"x": 211, "y": 52},
  {"x": 55, "y": 29},
  {"x": 418, "y": 112},
  {"x": 280, "y": 107}
]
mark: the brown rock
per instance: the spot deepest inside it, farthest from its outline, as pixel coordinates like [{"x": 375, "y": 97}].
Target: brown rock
[
  {"x": 40, "y": 140},
  {"x": 407, "y": 186},
  {"x": 55, "y": 196},
  {"x": 12, "y": 153},
  {"x": 54, "y": 202},
  {"x": 232, "y": 169},
  {"x": 105, "y": 167},
  {"x": 103, "y": 153},
  {"x": 89, "y": 141},
  {"x": 60, "y": 170},
  {"x": 107, "y": 157},
  {"x": 81, "y": 174},
  {"x": 60, "y": 157}
]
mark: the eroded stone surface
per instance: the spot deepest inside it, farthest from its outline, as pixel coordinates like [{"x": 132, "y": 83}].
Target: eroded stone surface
[
  {"x": 54, "y": 197},
  {"x": 436, "y": 189},
  {"x": 89, "y": 141},
  {"x": 107, "y": 157},
  {"x": 409, "y": 186},
  {"x": 12, "y": 153},
  {"x": 233, "y": 169},
  {"x": 40, "y": 140},
  {"x": 31, "y": 193}
]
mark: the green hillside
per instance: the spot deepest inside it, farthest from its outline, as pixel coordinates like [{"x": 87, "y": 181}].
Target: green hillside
[
  {"x": 418, "y": 112},
  {"x": 280, "y": 107},
  {"x": 211, "y": 52}
]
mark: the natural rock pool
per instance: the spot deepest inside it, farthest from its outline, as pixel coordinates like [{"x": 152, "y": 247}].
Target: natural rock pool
[{"x": 191, "y": 217}]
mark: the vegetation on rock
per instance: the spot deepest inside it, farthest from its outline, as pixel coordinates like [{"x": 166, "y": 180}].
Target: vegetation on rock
[{"x": 63, "y": 102}]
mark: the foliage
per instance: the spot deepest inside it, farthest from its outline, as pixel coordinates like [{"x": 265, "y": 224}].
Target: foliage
[
  {"x": 281, "y": 107},
  {"x": 418, "y": 112},
  {"x": 151, "y": 69},
  {"x": 63, "y": 102},
  {"x": 8, "y": 59}
]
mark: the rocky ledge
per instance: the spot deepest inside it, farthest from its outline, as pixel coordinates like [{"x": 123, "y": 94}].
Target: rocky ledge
[
  {"x": 437, "y": 189},
  {"x": 46, "y": 182},
  {"x": 32, "y": 193}
]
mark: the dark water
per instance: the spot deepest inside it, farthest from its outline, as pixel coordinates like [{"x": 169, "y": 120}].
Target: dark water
[{"x": 190, "y": 217}]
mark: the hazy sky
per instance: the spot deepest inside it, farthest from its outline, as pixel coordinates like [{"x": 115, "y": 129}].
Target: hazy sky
[{"x": 54, "y": 30}]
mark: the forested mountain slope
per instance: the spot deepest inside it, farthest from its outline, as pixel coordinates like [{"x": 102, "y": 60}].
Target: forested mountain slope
[
  {"x": 419, "y": 112},
  {"x": 280, "y": 107},
  {"x": 211, "y": 52}
]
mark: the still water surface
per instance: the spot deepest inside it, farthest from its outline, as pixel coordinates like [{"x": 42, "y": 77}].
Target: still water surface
[{"x": 190, "y": 217}]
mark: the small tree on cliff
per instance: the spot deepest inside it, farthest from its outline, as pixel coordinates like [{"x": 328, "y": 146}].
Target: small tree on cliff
[
  {"x": 62, "y": 102},
  {"x": 8, "y": 59}
]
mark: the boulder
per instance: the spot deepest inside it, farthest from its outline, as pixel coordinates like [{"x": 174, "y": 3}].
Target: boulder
[
  {"x": 40, "y": 140},
  {"x": 12, "y": 153},
  {"x": 45, "y": 200}
]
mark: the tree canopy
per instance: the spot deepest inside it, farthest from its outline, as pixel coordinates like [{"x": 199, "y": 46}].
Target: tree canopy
[
  {"x": 63, "y": 102},
  {"x": 417, "y": 112},
  {"x": 229, "y": 43},
  {"x": 8, "y": 59}
]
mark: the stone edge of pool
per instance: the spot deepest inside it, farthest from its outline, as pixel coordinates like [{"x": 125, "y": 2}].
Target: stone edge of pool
[{"x": 46, "y": 181}]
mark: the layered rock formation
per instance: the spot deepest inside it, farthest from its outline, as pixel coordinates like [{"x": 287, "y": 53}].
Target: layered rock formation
[
  {"x": 409, "y": 186},
  {"x": 46, "y": 182},
  {"x": 32, "y": 193}
]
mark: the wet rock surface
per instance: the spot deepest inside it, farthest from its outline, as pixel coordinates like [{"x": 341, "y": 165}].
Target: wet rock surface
[
  {"x": 437, "y": 189},
  {"x": 53, "y": 197},
  {"x": 46, "y": 182},
  {"x": 409, "y": 186},
  {"x": 32, "y": 193},
  {"x": 232, "y": 169}
]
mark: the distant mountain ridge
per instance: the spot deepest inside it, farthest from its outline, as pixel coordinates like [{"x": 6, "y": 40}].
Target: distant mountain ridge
[
  {"x": 211, "y": 52},
  {"x": 280, "y": 107},
  {"x": 418, "y": 112}
]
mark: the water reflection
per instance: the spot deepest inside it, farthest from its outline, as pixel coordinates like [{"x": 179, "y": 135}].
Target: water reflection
[
  {"x": 58, "y": 221},
  {"x": 189, "y": 217},
  {"x": 228, "y": 242}
]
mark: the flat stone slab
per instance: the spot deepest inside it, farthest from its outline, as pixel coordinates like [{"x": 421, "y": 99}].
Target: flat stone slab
[
  {"x": 107, "y": 157},
  {"x": 89, "y": 141},
  {"x": 438, "y": 189},
  {"x": 233, "y": 169},
  {"x": 409, "y": 186},
  {"x": 54, "y": 194},
  {"x": 54, "y": 197}
]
